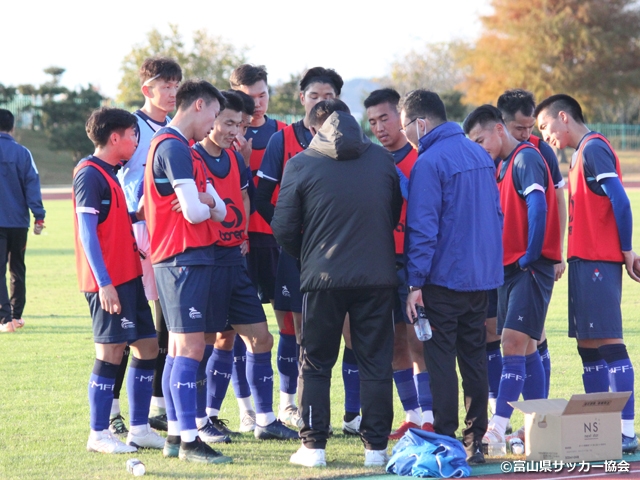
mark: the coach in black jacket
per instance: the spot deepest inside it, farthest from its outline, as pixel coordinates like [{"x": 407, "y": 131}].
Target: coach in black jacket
[{"x": 339, "y": 203}]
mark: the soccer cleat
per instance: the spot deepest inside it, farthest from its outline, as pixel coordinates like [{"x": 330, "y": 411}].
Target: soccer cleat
[
  {"x": 199, "y": 452},
  {"x": 149, "y": 439},
  {"x": 402, "y": 429},
  {"x": 375, "y": 458},
  {"x": 159, "y": 422},
  {"x": 428, "y": 427},
  {"x": 211, "y": 434},
  {"x": 352, "y": 427},
  {"x": 222, "y": 426},
  {"x": 309, "y": 457},
  {"x": 171, "y": 447},
  {"x": 276, "y": 430},
  {"x": 106, "y": 442},
  {"x": 17, "y": 323},
  {"x": 492, "y": 438},
  {"x": 117, "y": 426},
  {"x": 7, "y": 327},
  {"x": 290, "y": 416},
  {"x": 475, "y": 455},
  {"x": 629, "y": 444},
  {"x": 248, "y": 421}
]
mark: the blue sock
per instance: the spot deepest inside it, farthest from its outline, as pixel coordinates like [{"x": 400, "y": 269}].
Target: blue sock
[
  {"x": 201, "y": 383},
  {"x": 166, "y": 390},
  {"x": 595, "y": 376},
  {"x": 101, "y": 384},
  {"x": 287, "y": 363},
  {"x": 406, "y": 389},
  {"x": 494, "y": 367},
  {"x": 351, "y": 379},
  {"x": 260, "y": 376},
  {"x": 543, "y": 349},
  {"x": 621, "y": 375},
  {"x": 183, "y": 391},
  {"x": 534, "y": 382},
  {"x": 239, "y": 372},
  {"x": 425, "y": 399},
  {"x": 219, "y": 373},
  {"x": 511, "y": 384},
  {"x": 139, "y": 389}
]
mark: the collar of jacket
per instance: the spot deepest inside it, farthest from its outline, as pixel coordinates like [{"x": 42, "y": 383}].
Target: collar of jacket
[{"x": 442, "y": 131}]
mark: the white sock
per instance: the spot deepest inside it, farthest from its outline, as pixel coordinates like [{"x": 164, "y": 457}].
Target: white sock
[
  {"x": 628, "y": 429},
  {"x": 139, "y": 429},
  {"x": 95, "y": 435},
  {"x": 245, "y": 405},
  {"x": 264, "y": 419},
  {"x": 413, "y": 416},
  {"x": 492, "y": 405},
  {"x": 188, "y": 436},
  {"x": 202, "y": 422},
  {"x": 173, "y": 428},
  {"x": 427, "y": 416},
  {"x": 499, "y": 424},
  {"x": 212, "y": 412},
  {"x": 115, "y": 408},
  {"x": 158, "y": 402},
  {"x": 287, "y": 400}
]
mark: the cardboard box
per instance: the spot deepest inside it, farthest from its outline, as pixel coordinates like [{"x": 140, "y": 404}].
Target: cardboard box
[{"x": 585, "y": 428}]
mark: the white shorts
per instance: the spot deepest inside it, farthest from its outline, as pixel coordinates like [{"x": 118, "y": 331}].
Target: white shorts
[{"x": 141, "y": 235}]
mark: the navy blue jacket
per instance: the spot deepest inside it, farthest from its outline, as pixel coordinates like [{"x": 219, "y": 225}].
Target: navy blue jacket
[
  {"x": 454, "y": 221},
  {"x": 19, "y": 185}
]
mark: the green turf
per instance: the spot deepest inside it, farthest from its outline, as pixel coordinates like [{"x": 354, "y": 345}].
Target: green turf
[{"x": 45, "y": 367}]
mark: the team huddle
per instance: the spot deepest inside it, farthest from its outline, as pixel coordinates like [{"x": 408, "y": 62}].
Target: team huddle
[{"x": 206, "y": 216}]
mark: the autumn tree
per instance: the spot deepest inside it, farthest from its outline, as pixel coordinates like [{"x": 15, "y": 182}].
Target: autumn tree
[
  {"x": 209, "y": 58},
  {"x": 586, "y": 48},
  {"x": 285, "y": 97}
]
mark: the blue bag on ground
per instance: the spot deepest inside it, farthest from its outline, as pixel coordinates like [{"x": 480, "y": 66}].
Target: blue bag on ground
[{"x": 426, "y": 454}]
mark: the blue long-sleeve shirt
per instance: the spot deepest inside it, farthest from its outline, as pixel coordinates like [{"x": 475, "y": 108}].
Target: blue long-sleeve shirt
[
  {"x": 454, "y": 221},
  {"x": 19, "y": 185}
]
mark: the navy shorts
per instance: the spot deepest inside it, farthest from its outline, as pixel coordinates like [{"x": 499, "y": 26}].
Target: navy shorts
[
  {"x": 133, "y": 323},
  {"x": 524, "y": 298},
  {"x": 595, "y": 293},
  {"x": 400, "y": 301},
  {"x": 262, "y": 264},
  {"x": 185, "y": 298},
  {"x": 492, "y": 310},
  {"x": 235, "y": 300},
  {"x": 288, "y": 297}
]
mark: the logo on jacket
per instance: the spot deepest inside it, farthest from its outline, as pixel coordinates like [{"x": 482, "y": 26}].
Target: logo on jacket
[
  {"x": 596, "y": 275},
  {"x": 193, "y": 313}
]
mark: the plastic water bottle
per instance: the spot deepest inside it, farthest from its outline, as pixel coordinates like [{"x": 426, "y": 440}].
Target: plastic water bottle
[
  {"x": 421, "y": 324},
  {"x": 135, "y": 467}
]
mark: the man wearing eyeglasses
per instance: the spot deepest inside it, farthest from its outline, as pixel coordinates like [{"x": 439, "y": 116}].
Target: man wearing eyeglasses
[{"x": 454, "y": 255}]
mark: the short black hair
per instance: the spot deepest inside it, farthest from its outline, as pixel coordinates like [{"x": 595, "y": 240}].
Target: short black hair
[
  {"x": 424, "y": 104},
  {"x": 561, "y": 103},
  {"x": 160, "y": 67},
  {"x": 192, "y": 90},
  {"x": 248, "y": 75},
  {"x": 249, "y": 106},
  {"x": 105, "y": 121},
  {"x": 384, "y": 95},
  {"x": 481, "y": 116},
  {"x": 321, "y": 111},
  {"x": 514, "y": 101},
  {"x": 233, "y": 101},
  {"x": 7, "y": 120},
  {"x": 321, "y": 75}
]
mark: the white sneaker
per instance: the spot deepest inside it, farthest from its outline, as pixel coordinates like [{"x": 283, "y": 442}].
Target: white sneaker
[
  {"x": 290, "y": 416},
  {"x": 105, "y": 442},
  {"x": 352, "y": 427},
  {"x": 376, "y": 458},
  {"x": 309, "y": 457},
  {"x": 248, "y": 421},
  {"x": 149, "y": 439}
]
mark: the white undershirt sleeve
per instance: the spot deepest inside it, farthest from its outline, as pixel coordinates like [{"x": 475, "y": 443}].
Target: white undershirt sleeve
[
  {"x": 192, "y": 209},
  {"x": 220, "y": 210}
]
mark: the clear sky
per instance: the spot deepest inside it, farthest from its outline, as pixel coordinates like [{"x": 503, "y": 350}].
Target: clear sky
[{"x": 357, "y": 38}]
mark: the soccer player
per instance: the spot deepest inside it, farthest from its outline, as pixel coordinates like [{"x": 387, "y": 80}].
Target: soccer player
[
  {"x": 517, "y": 107},
  {"x": 531, "y": 247},
  {"x": 109, "y": 274},
  {"x": 179, "y": 207},
  {"x": 262, "y": 258},
  {"x": 599, "y": 244},
  {"x": 233, "y": 294},
  {"x": 159, "y": 78},
  {"x": 409, "y": 370}
]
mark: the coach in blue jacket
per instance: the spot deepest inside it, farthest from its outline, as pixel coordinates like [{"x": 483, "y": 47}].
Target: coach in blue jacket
[
  {"x": 19, "y": 193},
  {"x": 454, "y": 255}
]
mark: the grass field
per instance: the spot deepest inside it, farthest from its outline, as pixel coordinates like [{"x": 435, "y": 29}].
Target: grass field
[{"x": 45, "y": 368}]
